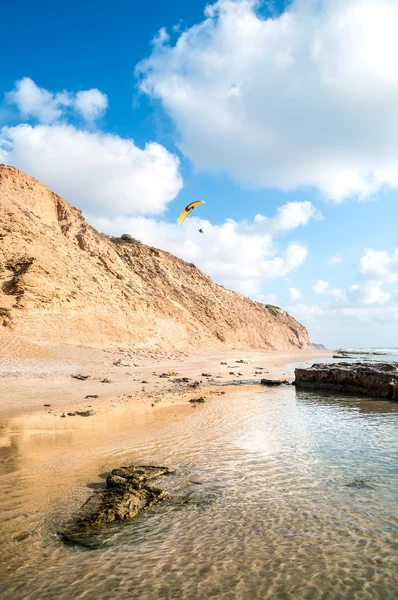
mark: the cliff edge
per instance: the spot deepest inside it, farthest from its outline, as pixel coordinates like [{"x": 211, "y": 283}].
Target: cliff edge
[{"x": 61, "y": 281}]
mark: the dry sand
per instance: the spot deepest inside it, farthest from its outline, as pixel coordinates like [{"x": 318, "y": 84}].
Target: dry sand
[{"x": 28, "y": 383}]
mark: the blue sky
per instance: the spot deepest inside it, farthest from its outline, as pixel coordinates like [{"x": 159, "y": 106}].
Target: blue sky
[{"x": 289, "y": 112}]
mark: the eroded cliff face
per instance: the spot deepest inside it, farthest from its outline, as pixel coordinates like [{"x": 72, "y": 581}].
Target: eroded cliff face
[{"x": 62, "y": 281}]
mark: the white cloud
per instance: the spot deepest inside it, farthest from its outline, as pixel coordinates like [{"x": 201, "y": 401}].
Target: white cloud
[
  {"x": 379, "y": 265},
  {"x": 368, "y": 293},
  {"x": 98, "y": 172},
  {"x": 289, "y": 216},
  {"x": 294, "y": 100},
  {"x": 294, "y": 294},
  {"x": 321, "y": 287},
  {"x": 349, "y": 326},
  {"x": 91, "y": 104},
  {"x": 334, "y": 260},
  {"x": 373, "y": 294},
  {"x": 47, "y": 107},
  {"x": 240, "y": 255}
]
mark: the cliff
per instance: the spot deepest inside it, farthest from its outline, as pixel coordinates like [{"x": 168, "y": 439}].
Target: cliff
[{"x": 62, "y": 281}]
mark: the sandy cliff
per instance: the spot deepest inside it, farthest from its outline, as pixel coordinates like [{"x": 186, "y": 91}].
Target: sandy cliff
[{"x": 62, "y": 281}]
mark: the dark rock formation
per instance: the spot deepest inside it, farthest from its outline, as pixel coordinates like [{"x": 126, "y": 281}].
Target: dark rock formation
[
  {"x": 273, "y": 382},
  {"x": 126, "y": 494},
  {"x": 83, "y": 413},
  {"x": 378, "y": 379}
]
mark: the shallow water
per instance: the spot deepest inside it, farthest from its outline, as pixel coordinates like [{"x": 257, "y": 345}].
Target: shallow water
[{"x": 295, "y": 496}]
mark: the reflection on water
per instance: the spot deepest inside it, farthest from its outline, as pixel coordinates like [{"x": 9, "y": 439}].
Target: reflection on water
[{"x": 274, "y": 514}]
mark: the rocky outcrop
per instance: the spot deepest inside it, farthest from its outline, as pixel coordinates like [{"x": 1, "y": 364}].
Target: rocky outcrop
[
  {"x": 127, "y": 493},
  {"x": 61, "y": 281},
  {"x": 379, "y": 380}
]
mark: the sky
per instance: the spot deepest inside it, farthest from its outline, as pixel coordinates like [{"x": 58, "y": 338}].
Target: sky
[{"x": 282, "y": 117}]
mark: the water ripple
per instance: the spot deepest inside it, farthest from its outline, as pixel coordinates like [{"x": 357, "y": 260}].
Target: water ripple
[{"x": 294, "y": 496}]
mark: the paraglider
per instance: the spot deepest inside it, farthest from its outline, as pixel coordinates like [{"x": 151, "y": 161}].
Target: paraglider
[
  {"x": 200, "y": 230},
  {"x": 187, "y": 210}
]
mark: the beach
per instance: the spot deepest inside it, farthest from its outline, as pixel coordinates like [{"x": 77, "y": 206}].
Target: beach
[
  {"x": 285, "y": 487},
  {"x": 31, "y": 379}
]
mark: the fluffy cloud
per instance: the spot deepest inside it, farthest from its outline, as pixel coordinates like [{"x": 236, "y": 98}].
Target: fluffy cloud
[
  {"x": 91, "y": 104},
  {"x": 369, "y": 293},
  {"x": 320, "y": 287},
  {"x": 349, "y": 326},
  {"x": 240, "y": 255},
  {"x": 294, "y": 100},
  {"x": 98, "y": 172},
  {"x": 379, "y": 265},
  {"x": 289, "y": 217},
  {"x": 364, "y": 315},
  {"x": 47, "y": 107}
]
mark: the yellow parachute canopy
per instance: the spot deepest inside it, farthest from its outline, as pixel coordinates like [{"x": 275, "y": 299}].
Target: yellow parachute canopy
[{"x": 187, "y": 210}]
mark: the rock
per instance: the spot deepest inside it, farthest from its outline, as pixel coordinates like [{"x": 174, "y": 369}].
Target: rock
[
  {"x": 272, "y": 382},
  {"x": 361, "y": 484},
  {"x": 126, "y": 494},
  {"x": 206, "y": 375},
  {"x": 378, "y": 379},
  {"x": 92, "y": 396},
  {"x": 46, "y": 405},
  {"x": 106, "y": 380},
  {"x": 80, "y": 377},
  {"x": 194, "y": 385},
  {"x": 71, "y": 414},
  {"x": 85, "y": 413},
  {"x": 169, "y": 374},
  {"x": 198, "y": 400},
  {"x": 243, "y": 362},
  {"x": 223, "y": 363}
]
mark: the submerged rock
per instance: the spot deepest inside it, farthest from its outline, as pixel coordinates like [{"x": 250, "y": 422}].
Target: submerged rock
[
  {"x": 379, "y": 380},
  {"x": 361, "y": 484},
  {"x": 126, "y": 494}
]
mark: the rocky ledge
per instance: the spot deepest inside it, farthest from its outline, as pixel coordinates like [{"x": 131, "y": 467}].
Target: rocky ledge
[
  {"x": 127, "y": 493},
  {"x": 379, "y": 380}
]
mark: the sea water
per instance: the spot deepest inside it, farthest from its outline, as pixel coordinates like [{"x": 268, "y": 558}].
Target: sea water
[{"x": 292, "y": 494}]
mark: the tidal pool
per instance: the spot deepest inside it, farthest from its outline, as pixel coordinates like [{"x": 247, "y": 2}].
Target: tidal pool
[{"x": 293, "y": 495}]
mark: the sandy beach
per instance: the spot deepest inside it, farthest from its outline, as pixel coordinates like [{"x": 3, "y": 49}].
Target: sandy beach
[{"x": 50, "y": 383}]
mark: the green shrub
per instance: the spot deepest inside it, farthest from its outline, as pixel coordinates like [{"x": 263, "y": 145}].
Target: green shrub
[
  {"x": 274, "y": 310},
  {"x": 126, "y": 238}
]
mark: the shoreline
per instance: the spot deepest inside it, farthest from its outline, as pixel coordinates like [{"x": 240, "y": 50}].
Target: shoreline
[{"x": 119, "y": 377}]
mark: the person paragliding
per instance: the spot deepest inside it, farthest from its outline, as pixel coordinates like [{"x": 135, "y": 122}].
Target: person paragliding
[
  {"x": 187, "y": 210},
  {"x": 200, "y": 230}
]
